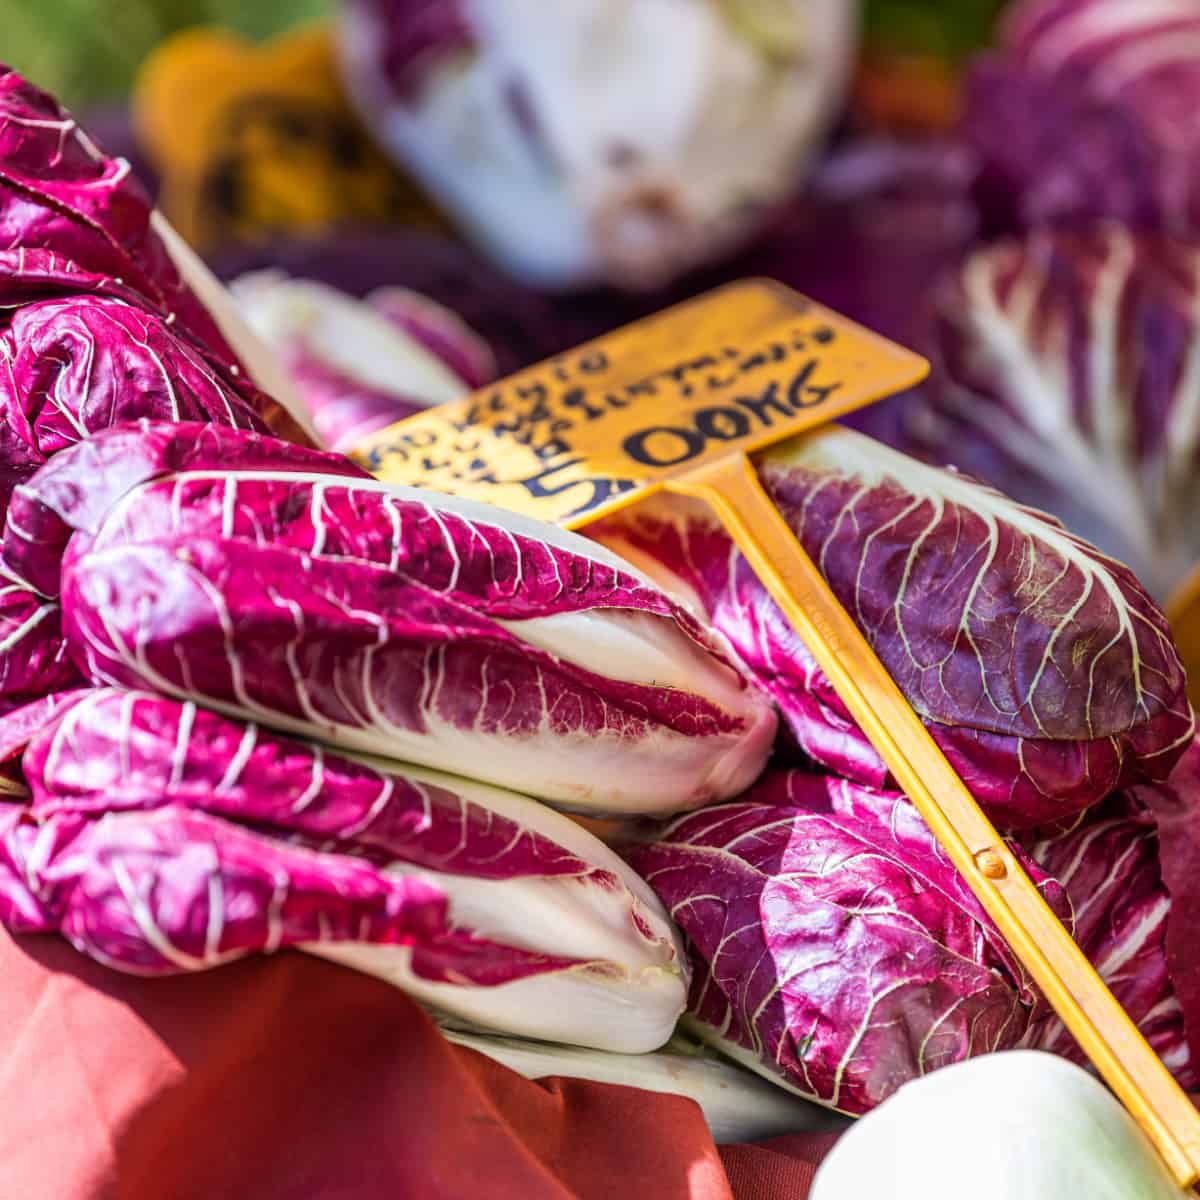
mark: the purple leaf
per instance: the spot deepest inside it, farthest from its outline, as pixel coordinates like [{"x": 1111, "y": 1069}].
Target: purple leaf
[
  {"x": 1042, "y": 669},
  {"x": 1108, "y": 863},
  {"x": 834, "y": 947},
  {"x": 163, "y": 837},
  {"x": 1067, "y": 375},
  {"x": 391, "y": 620}
]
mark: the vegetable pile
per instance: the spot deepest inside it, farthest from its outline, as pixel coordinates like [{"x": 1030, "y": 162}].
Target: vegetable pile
[{"x": 253, "y": 699}]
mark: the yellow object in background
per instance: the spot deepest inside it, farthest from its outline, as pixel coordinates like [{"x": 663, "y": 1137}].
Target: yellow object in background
[
  {"x": 1183, "y": 616},
  {"x": 907, "y": 94},
  {"x": 255, "y": 140}
]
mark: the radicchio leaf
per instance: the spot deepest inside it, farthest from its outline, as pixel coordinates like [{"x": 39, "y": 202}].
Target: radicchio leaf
[
  {"x": 33, "y": 655},
  {"x": 362, "y": 365},
  {"x": 75, "y": 366},
  {"x": 1175, "y": 806},
  {"x": 173, "y": 838},
  {"x": 1108, "y": 863},
  {"x": 1088, "y": 110},
  {"x": 390, "y": 620},
  {"x": 1069, "y": 374},
  {"x": 78, "y": 488},
  {"x": 835, "y": 949},
  {"x": 1041, "y": 668},
  {"x": 60, "y": 192}
]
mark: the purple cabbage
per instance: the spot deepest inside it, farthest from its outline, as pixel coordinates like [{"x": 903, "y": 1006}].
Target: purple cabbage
[
  {"x": 161, "y": 837},
  {"x": 1041, "y": 668},
  {"x": 211, "y": 564},
  {"x": 834, "y": 947}
]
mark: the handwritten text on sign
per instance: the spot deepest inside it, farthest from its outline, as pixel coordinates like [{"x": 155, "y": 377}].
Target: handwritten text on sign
[{"x": 582, "y": 433}]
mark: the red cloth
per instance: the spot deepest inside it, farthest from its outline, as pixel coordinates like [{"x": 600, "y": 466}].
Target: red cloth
[{"x": 289, "y": 1077}]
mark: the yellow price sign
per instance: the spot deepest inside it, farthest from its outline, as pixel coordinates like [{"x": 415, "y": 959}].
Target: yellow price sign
[{"x": 573, "y": 438}]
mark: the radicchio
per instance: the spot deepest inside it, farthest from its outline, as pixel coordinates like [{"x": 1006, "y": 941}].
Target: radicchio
[
  {"x": 834, "y": 947},
  {"x": 61, "y": 195},
  {"x": 1089, "y": 110},
  {"x": 363, "y": 365},
  {"x": 1109, "y": 866},
  {"x": 161, "y": 837},
  {"x": 528, "y": 121},
  {"x": 33, "y": 656},
  {"x": 390, "y": 620},
  {"x": 1069, "y": 374},
  {"x": 80, "y": 364},
  {"x": 60, "y": 192},
  {"x": 1041, "y": 668}
]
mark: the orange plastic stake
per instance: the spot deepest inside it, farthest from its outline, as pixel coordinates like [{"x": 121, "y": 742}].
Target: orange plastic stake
[{"x": 678, "y": 402}]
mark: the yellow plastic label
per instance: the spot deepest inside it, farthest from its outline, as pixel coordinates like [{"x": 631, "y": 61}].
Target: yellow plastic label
[{"x": 591, "y": 430}]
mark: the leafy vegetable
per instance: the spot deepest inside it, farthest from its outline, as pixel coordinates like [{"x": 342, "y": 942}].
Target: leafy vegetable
[
  {"x": 521, "y": 325},
  {"x": 361, "y": 366},
  {"x": 440, "y": 330},
  {"x": 834, "y": 947},
  {"x": 60, "y": 192},
  {"x": 1088, "y": 111},
  {"x": 738, "y": 1106},
  {"x": 521, "y": 118},
  {"x": 1041, "y": 667},
  {"x": 33, "y": 655},
  {"x": 162, "y": 837},
  {"x": 84, "y": 363},
  {"x": 79, "y": 487},
  {"x": 1068, "y": 375},
  {"x": 1108, "y": 864},
  {"x": 1016, "y": 1124},
  {"x": 1176, "y": 814},
  {"x": 62, "y": 198},
  {"x": 245, "y": 573}
]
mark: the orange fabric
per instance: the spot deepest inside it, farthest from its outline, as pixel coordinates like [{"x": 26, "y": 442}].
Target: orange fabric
[
  {"x": 776, "y": 1170},
  {"x": 289, "y": 1077}
]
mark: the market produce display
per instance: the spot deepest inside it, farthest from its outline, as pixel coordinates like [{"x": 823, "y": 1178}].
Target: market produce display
[
  {"x": 588, "y": 799},
  {"x": 238, "y": 571}
]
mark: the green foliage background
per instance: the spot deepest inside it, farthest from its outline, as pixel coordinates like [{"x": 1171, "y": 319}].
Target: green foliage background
[{"x": 87, "y": 51}]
